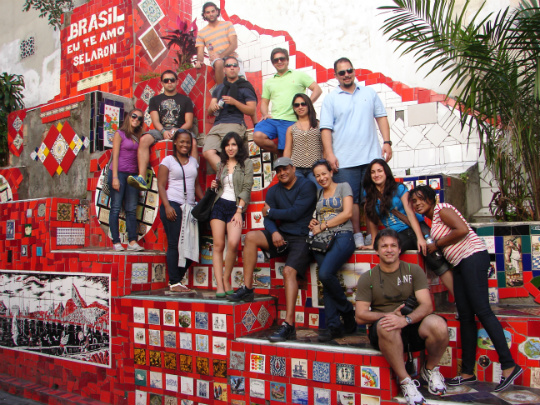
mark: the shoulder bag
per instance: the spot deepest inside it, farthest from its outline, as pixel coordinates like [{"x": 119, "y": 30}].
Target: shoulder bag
[
  {"x": 202, "y": 211},
  {"x": 323, "y": 241}
]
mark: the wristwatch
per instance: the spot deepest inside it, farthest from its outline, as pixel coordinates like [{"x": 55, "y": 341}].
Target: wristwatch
[
  {"x": 409, "y": 320},
  {"x": 267, "y": 211},
  {"x": 388, "y": 142}
]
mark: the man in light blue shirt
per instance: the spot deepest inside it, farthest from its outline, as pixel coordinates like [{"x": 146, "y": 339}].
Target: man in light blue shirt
[{"x": 349, "y": 136}]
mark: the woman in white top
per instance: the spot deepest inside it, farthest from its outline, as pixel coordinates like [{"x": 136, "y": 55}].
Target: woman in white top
[
  {"x": 233, "y": 185},
  {"x": 467, "y": 252},
  {"x": 178, "y": 184}
]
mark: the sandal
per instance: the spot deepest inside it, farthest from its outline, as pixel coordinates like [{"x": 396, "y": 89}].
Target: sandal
[
  {"x": 221, "y": 295},
  {"x": 230, "y": 292}
]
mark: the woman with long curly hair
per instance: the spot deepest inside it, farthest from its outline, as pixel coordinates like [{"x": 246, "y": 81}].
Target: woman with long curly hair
[
  {"x": 124, "y": 164},
  {"x": 303, "y": 142},
  {"x": 384, "y": 196},
  {"x": 233, "y": 185}
]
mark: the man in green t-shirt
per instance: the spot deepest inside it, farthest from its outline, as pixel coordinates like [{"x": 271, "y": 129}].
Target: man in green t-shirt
[
  {"x": 280, "y": 90},
  {"x": 396, "y": 326}
]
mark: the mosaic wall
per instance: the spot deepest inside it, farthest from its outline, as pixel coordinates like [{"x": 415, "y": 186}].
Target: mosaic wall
[{"x": 56, "y": 315}]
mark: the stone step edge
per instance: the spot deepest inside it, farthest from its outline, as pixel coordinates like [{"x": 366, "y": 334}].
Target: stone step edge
[{"x": 40, "y": 393}]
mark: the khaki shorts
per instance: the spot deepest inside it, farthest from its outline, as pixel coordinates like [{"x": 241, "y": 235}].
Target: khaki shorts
[{"x": 218, "y": 132}]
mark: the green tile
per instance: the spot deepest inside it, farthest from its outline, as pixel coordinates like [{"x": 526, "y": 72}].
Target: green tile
[
  {"x": 535, "y": 229},
  {"x": 501, "y": 279},
  {"x": 525, "y": 244},
  {"x": 485, "y": 231}
]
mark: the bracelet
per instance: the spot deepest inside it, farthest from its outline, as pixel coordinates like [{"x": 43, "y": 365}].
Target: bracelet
[
  {"x": 115, "y": 178},
  {"x": 162, "y": 130}
]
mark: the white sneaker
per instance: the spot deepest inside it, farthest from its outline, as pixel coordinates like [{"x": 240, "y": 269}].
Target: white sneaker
[
  {"x": 134, "y": 247},
  {"x": 435, "y": 380},
  {"x": 367, "y": 240},
  {"x": 410, "y": 392},
  {"x": 118, "y": 247},
  {"x": 359, "y": 239}
]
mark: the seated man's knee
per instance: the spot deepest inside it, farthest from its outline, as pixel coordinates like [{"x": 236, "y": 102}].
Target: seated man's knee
[
  {"x": 259, "y": 137},
  {"x": 289, "y": 272},
  {"x": 436, "y": 327},
  {"x": 146, "y": 140},
  {"x": 252, "y": 239},
  {"x": 387, "y": 335}
]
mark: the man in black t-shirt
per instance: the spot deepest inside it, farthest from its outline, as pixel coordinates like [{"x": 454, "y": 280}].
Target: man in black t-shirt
[
  {"x": 380, "y": 296},
  {"x": 169, "y": 111},
  {"x": 230, "y": 101}
]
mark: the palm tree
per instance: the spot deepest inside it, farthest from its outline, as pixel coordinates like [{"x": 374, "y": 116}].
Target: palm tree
[{"x": 492, "y": 63}]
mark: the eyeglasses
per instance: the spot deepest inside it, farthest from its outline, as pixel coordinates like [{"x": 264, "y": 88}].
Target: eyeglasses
[
  {"x": 342, "y": 72},
  {"x": 302, "y": 104},
  {"x": 231, "y": 65},
  {"x": 137, "y": 117},
  {"x": 279, "y": 59},
  {"x": 169, "y": 80}
]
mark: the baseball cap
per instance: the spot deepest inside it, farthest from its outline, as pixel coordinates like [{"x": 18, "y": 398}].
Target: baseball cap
[{"x": 283, "y": 161}]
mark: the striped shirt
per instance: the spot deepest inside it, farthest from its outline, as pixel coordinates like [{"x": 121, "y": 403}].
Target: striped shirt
[
  {"x": 466, "y": 247},
  {"x": 307, "y": 146},
  {"x": 216, "y": 39}
]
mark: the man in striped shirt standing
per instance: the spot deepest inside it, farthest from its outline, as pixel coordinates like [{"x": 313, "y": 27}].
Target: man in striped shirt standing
[{"x": 219, "y": 38}]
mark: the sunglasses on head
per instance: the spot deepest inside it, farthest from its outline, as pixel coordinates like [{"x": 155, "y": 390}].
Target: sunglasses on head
[
  {"x": 230, "y": 65},
  {"x": 171, "y": 80},
  {"x": 137, "y": 117},
  {"x": 302, "y": 104},
  {"x": 342, "y": 72},
  {"x": 279, "y": 59}
]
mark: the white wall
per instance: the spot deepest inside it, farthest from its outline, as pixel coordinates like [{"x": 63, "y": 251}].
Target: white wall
[{"x": 41, "y": 71}]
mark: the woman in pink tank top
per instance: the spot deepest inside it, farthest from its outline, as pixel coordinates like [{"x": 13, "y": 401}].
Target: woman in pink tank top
[{"x": 467, "y": 252}]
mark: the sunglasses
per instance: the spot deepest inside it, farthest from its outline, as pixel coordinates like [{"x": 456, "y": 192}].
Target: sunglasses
[
  {"x": 342, "y": 72},
  {"x": 302, "y": 104},
  {"x": 231, "y": 65},
  {"x": 137, "y": 117},
  {"x": 280, "y": 59},
  {"x": 169, "y": 80},
  {"x": 283, "y": 248}
]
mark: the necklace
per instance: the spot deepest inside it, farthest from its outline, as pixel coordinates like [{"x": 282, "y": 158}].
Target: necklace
[{"x": 180, "y": 159}]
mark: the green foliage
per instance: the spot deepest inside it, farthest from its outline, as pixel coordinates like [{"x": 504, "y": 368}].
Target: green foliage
[
  {"x": 53, "y": 9},
  {"x": 11, "y": 99},
  {"x": 183, "y": 39},
  {"x": 492, "y": 62}
]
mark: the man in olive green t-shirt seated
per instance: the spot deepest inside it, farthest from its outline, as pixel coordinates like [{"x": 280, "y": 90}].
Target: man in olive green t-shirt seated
[{"x": 397, "y": 326}]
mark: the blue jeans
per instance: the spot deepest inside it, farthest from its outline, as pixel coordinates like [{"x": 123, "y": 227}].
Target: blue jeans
[
  {"x": 129, "y": 196},
  {"x": 335, "y": 301},
  {"x": 172, "y": 230},
  {"x": 471, "y": 294},
  {"x": 354, "y": 176},
  {"x": 307, "y": 174}
]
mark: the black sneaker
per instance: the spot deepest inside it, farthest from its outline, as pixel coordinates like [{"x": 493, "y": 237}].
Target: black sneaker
[
  {"x": 285, "y": 332},
  {"x": 349, "y": 322},
  {"x": 242, "y": 294},
  {"x": 329, "y": 334},
  {"x": 507, "y": 381}
]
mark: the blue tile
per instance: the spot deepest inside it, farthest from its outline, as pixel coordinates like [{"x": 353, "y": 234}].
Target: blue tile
[
  {"x": 499, "y": 244},
  {"x": 526, "y": 260}
]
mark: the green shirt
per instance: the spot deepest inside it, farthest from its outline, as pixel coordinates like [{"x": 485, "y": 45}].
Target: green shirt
[
  {"x": 280, "y": 90},
  {"x": 387, "y": 291}
]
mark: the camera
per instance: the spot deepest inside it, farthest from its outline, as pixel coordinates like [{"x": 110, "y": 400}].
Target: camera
[{"x": 410, "y": 305}]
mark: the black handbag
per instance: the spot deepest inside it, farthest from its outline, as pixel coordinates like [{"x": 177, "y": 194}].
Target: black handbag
[
  {"x": 323, "y": 241},
  {"x": 202, "y": 211}
]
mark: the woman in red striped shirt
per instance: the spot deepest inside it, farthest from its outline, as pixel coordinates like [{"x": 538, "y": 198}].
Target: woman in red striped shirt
[{"x": 467, "y": 252}]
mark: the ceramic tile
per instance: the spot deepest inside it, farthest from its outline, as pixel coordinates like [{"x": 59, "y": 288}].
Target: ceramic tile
[
  {"x": 169, "y": 339},
  {"x": 155, "y": 358},
  {"x": 299, "y": 368},
  {"x": 154, "y": 337},
  {"x": 169, "y": 360},
  {"x": 237, "y": 361},
  {"x": 203, "y": 389},
  {"x": 140, "y": 398},
  {"x": 139, "y": 315},
  {"x": 219, "y": 322},
  {"x": 139, "y": 336},
  {"x": 153, "y": 316},
  {"x": 219, "y": 345},
  {"x": 139, "y": 356},
  {"x": 237, "y": 384},
  {"x": 185, "y": 341},
  {"x": 321, "y": 371},
  {"x": 220, "y": 368},
  {"x": 158, "y": 273},
  {"x": 169, "y": 317},
  {"x": 248, "y": 319},
  {"x": 203, "y": 366},
  {"x": 278, "y": 391},
  {"x": 171, "y": 400},
  {"x": 184, "y": 319},
  {"x": 299, "y": 394},
  {"x": 321, "y": 396},
  {"x": 345, "y": 374},
  {"x": 257, "y": 363},
  {"x": 141, "y": 378},
  {"x": 345, "y": 398},
  {"x": 256, "y": 388},
  {"x": 370, "y": 376},
  {"x": 64, "y": 212},
  {"x": 201, "y": 343},
  {"x": 263, "y": 316},
  {"x": 156, "y": 380},
  {"x": 201, "y": 320},
  {"x": 220, "y": 391},
  {"x": 186, "y": 363},
  {"x": 10, "y": 229},
  {"x": 139, "y": 275},
  {"x": 171, "y": 382},
  {"x": 151, "y": 10},
  {"x": 186, "y": 385}
]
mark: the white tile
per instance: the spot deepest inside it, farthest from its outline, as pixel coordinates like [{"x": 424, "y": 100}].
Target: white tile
[
  {"x": 470, "y": 152},
  {"x": 412, "y": 137},
  {"x": 436, "y": 135},
  {"x": 422, "y": 114},
  {"x": 425, "y": 157}
]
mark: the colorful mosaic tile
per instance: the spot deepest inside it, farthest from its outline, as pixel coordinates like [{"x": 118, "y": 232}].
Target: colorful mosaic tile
[
  {"x": 169, "y": 360},
  {"x": 141, "y": 378},
  {"x": 139, "y": 275},
  {"x": 154, "y": 337},
  {"x": 186, "y": 363},
  {"x": 169, "y": 339},
  {"x": 64, "y": 212},
  {"x": 299, "y": 368},
  {"x": 299, "y": 394},
  {"x": 237, "y": 360},
  {"x": 237, "y": 384},
  {"x": 60, "y": 148},
  {"x": 147, "y": 94},
  {"x": 201, "y": 343},
  {"x": 201, "y": 320},
  {"x": 249, "y": 319},
  {"x": 10, "y": 229},
  {"x": 370, "y": 377},
  {"x": 17, "y": 124},
  {"x": 203, "y": 366},
  {"x": 155, "y": 358},
  {"x": 278, "y": 391},
  {"x": 188, "y": 84},
  {"x": 263, "y": 315},
  {"x": 151, "y": 11},
  {"x": 277, "y": 366},
  {"x": 70, "y": 236},
  {"x": 139, "y": 356}
]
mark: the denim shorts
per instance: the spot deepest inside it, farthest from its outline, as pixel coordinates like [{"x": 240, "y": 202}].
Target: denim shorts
[{"x": 354, "y": 176}]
